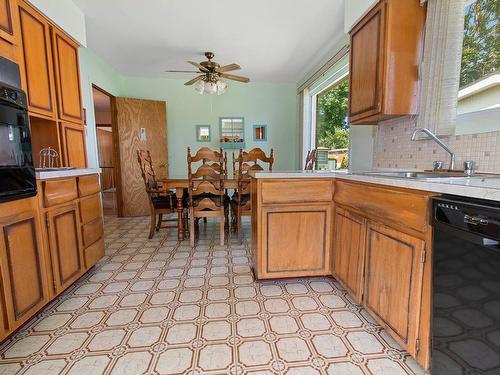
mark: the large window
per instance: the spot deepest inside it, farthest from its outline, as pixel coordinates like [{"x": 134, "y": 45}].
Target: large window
[{"x": 480, "y": 67}]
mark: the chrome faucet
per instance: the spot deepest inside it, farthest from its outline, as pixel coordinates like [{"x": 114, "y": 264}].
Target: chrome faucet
[{"x": 438, "y": 141}]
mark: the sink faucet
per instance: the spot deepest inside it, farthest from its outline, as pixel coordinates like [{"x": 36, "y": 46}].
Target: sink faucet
[{"x": 438, "y": 141}]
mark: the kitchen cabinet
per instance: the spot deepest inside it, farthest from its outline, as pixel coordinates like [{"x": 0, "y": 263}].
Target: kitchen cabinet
[
  {"x": 37, "y": 62},
  {"x": 65, "y": 245},
  {"x": 67, "y": 77},
  {"x": 23, "y": 278},
  {"x": 386, "y": 50},
  {"x": 349, "y": 250},
  {"x": 73, "y": 145}
]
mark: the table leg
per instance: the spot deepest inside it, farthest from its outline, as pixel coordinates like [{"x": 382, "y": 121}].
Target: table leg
[{"x": 180, "y": 208}]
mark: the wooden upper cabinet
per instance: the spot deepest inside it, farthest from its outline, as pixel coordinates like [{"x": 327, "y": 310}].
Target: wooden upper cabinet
[
  {"x": 393, "y": 282},
  {"x": 65, "y": 245},
  {"x": 37, "y": 62},
  {"x": 349, "y": 251},
  {"x": 386, "y": 49},
  {"x": 73, "y": 145},
  {"x": 67, "y": 77},
  {"x": 22, "y": 263}
]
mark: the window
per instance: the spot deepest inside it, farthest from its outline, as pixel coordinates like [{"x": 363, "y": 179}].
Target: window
[{"x": 480, "y": 66}]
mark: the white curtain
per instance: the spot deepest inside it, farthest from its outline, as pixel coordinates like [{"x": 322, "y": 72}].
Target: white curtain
[{"x": 440, "y": 68}]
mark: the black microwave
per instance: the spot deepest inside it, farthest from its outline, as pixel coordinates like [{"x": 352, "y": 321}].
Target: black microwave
[{"x": 17, "y": 173}]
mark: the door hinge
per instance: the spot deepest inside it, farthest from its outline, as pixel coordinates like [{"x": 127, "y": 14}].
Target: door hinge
[
  {"x": 417, "y": 346},
  {"x": 424, "y": 256}
]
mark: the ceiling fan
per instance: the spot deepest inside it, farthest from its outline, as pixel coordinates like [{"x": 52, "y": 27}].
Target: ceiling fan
[{"x": 209, "y": 80}]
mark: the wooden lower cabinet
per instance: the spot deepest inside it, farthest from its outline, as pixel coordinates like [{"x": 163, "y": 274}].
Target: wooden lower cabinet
[
  {"x": 393, "y": 282},
  {"x": 23, "y": 278},
  {"x": 296, "y": 240},
  {"x": 349, "y": 250},
  {"x": 65, "y": 245}
]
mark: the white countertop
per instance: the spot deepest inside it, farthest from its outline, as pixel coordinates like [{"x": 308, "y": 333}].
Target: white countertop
[
  {"x": 58, "y": 173},
  {"x": 474, "y": 187}
]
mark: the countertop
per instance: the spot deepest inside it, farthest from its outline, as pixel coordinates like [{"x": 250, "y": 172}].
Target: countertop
[
  {"x": 474, "y": 187},
  {"x": 58, "y": 173}
]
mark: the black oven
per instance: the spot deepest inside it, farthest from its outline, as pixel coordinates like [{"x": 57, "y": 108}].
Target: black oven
[{"x": 17, "y": 173}]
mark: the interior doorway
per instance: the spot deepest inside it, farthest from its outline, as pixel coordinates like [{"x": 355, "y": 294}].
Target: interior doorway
[{"x": 103, "y": 103}]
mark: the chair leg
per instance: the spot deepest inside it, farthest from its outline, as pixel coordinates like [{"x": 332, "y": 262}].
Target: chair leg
[
  {"x": 191, "y": 229},
  {"x": 158, "y": 225},
  {"x": 152, "y": 225},
  {"x": 222, "y": 230}
]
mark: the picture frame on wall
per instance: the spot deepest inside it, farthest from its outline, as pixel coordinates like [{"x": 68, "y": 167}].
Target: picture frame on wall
[
  {"x": 260, "y": 132},
  {"x": 203, "y": 133}
]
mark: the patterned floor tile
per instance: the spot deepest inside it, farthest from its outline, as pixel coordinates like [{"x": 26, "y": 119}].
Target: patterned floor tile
[{"x": 161, "y": 307}]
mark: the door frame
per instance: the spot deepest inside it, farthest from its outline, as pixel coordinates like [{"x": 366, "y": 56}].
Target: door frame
[{"x": 116, "y": 149}]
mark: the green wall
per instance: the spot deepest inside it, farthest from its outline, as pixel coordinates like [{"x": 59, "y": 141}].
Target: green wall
[{"x": 259, "y": 103}]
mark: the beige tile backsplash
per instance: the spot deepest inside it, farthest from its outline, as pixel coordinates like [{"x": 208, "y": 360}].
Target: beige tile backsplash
[{"x": 394, "y": 149}]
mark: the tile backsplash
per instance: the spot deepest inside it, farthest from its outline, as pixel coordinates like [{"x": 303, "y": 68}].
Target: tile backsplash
[{"x": 394, "y": 149}]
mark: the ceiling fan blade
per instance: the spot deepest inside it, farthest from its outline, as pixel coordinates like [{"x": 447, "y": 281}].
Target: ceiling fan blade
[
  {"x": 228, "y": 68},
  {"x": 181, "y": 71},
  {"x": 235, "y": 78},
  {"x": 194, "y": 80},
  {"x": 199, "y": 66}
]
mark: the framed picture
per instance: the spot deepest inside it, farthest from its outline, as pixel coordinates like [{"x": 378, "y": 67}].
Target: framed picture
[
  {"x": 202, "y": 133},
  {"x": 232, "y": 132},
  {"x": 260, "y": 133}
]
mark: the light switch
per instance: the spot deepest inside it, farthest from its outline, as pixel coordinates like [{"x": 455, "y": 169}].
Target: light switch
[{"x": 142, "y": 134}]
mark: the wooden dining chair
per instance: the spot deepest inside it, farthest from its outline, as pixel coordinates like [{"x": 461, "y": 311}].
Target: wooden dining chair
[
  {"x": 244, "y": 163},
  {"x": 206, "y": 189},
  {"x": 161, "y": 201},
  {"x": 310, "y": 160}
]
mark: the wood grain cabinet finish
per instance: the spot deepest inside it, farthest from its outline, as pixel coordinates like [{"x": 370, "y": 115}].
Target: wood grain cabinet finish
[
  {"x": 67, "y": 77},
  {"x": 37, "y": 62},
  {"x": 393, "y": 282},
  {"x": 65, "y": 245},
  {"x": 23, "y": 278},
  {"x": 73, "y": 145},
  {"x": 386, "y": 49},
  {"x": 349, "y": 236}
]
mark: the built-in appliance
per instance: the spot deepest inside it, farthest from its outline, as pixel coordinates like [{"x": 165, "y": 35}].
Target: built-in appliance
[
  {"x": 466, "y": 286},
  {"x": 17, "y": 173}
]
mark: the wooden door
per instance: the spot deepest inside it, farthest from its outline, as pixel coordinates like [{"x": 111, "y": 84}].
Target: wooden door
[
  {"x": 349, "y": 251},
  {"x": 65, "y": 245},
  {"x": 287, "y": 249},
  {"x": 22, "y": 262},
  {"x": 366, "y": 65},
  {"x": 73, "y": 145},
  {"x": 67, "y": 77},
  {"x": 393, "y": 282},
  {"x": 7, "y": 9},
  {"x": 38, "y": 68},
  {"x": 132, "y": 115}
]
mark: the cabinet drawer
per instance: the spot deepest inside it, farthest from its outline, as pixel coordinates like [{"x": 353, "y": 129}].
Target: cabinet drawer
[
  {"x": 59, "y": 191},
  {"x": 405, "y": 208},
  {"x": 92, "y": 232},
  {"x": 297, "y": 191},
  {"x": 90, "y": 208},
  {"x": 93, "y": 253},
  {"x": 88, "y": 185}
]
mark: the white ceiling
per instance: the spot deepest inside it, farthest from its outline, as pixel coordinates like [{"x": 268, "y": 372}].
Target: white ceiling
[{"x": 272, "y": 40}]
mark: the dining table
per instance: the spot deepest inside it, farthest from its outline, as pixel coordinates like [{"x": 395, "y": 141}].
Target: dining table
[{"x": 181, "y": 182}]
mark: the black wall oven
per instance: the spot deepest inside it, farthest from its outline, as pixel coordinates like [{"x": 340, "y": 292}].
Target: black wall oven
[{"x": 17, "y": 173}]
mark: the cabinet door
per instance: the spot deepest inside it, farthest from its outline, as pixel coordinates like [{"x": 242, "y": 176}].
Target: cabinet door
[
  {"x": 67, "y": 77},
  {"x": 366, "y": 65},
  {"x": 393, "y": 282},
  {"x": 38, "y": 68},
  {"x": 22, "y": 266},
  {"x": 73, "y": 145},
  {"x": 65, "y": 245},
  {"x": 288, "y": 250},
  {"x": 349, "y": 250}
]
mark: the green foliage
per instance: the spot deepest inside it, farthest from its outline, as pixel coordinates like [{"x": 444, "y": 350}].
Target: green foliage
[
  {"x": 481, "y": 47},
  {"x": 332, "y": 127}
]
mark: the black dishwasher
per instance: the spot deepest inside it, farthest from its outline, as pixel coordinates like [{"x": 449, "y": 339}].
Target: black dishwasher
[{"x": 466, "y": 287}]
